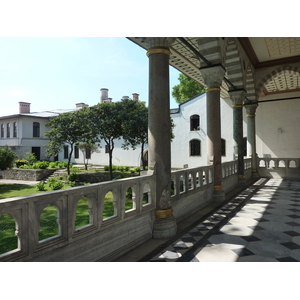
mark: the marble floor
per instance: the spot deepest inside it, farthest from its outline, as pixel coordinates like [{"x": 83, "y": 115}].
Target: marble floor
[{"x": 261, "y": 224}]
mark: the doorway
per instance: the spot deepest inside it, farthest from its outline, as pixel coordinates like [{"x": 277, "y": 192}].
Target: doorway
[{"x": 37, "y": 152}]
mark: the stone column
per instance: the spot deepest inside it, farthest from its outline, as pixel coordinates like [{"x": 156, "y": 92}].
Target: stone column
[
  {"x": 251, "y": 136},
  {"x": 159, "y": 134},
  {"x": 213, "y": 77},
  {"x": 237, "y": 98}
]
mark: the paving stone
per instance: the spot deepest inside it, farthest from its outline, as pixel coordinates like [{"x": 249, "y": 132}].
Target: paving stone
[{"x": 265, "y": 229}]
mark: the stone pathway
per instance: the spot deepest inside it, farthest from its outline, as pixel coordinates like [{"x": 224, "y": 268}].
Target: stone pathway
[
  {"x": 261, "y": 224},
  {"x": 18, "y": 181}
]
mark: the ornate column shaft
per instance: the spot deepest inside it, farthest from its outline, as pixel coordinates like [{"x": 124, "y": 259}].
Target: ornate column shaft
[
  {"x": 213, "y": 77},
  {"x": 159, "y": 134},
  {"x": 251, "y": 136},
  {"x": 237, "y": 98}
]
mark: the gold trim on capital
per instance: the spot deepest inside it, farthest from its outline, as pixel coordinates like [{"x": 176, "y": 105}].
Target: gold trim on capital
[
  {"x": 241, "y": 176},
  {"x": 217, "y": 187},
  {"x": 209, "y": 89},
  {"x": 162, "y": 214},
  {"x": 254, "y": 170},
  {"x": 250, "y": 115},
  {"x": 237, "y": 106},
  {"x": 158, "y": 50}
]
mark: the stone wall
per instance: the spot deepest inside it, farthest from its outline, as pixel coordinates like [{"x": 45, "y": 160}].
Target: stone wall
[
  {"x": 26, "y": 174},
  {"x": 98, "y": 176}
]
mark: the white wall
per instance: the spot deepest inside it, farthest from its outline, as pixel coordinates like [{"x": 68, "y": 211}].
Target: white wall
[
  {"x": 272, "y": 116},
  {"x": 120, "y": 157}
]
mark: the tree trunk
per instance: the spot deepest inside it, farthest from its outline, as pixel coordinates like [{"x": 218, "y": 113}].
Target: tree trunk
[
  {"x": 142, "y": 156},
  {"x": 69, "y": 160},
  {"x": 110, "y": 165},
  {"x": 111, "y": 148}
]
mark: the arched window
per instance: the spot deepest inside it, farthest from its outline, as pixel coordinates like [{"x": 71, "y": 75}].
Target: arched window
[
  {"x": 195, "y": 148},
  {"x": 15, "y": 129},
  {"x": 36, "y": 129},
  {"x": 8, "y": 130},
  {"x": 195, "y": 122},
  {"x": 223, "y": 147}
]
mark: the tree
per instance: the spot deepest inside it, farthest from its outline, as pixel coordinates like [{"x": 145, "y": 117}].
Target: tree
[
  {"x": 87, "y": 150},
  {"x": 186, "y": 89},
  {"x": 68, "y": 128},
  {"x": 7, "y": 158},
  {"x": 135, "y": 125},
  {"x": 106, "y": 120}
]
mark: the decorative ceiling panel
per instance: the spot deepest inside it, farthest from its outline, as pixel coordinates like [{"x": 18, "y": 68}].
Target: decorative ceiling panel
[
  {"x": 283, "y": 82},
  {"x": 282, "y": 46},
  {"x": 270, "y": 51}
]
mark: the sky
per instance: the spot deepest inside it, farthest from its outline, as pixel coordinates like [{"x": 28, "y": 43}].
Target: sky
[
  {"x": 58, "y": 72},
  {"x": 54, "y": 56}
]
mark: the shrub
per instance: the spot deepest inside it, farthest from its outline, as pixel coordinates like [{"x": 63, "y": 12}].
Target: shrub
[
  {"x": 106, "y": 168},
  {"x": 30, "y": 157},
  {"x": 74, "y": 170},
  {"x": 21, "y": 162},
  {"x": 52, "y": 165},
  {"x": 72, "y": 183},
  {"x": 25, "y": 167},
  {"x": 7, "y": 158},
  {"x": 51, "y": 180},
  {"x": 126, "y": 168},
  {"x": 137, "y": 169},
  {"x": 40, "y": 186},
  {"x": 73, "y": 177},
  {"x": 40, "y": 165},
  {"x": 120, "y": 168},
  {"x": 114, "y": 168},
  {"x": 119, "y": 177},
  {"x": 62, "y": 164},
  {"x": 57, "y": 185}
]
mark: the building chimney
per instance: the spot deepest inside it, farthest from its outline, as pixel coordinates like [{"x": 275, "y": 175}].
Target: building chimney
[
  {"x": 135, "y": 96},
  {"x": 24, "y": 108},
  {"x": 81, "y": 105},
  {"x": 125, "y": 97},
  {"x": 103, "y": 95}
]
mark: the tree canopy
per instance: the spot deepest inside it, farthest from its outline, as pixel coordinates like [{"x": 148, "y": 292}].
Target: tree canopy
[
  {"x": 106, "y": 121},
  {"x": 135, "y": 125},
  {"x": 68, "y": 128},
  {"x": 186, "y": 89}
]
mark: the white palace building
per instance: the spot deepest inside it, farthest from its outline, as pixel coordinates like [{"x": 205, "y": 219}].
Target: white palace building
[
  {"x": 245, "y": 126},
  {"x": 24, "y": 132}
]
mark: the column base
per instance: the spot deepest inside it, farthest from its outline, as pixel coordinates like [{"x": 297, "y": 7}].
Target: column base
[
  {"x": 255, "y": 175},
  {"x": 164, "y": 227},
  {"x": 242, "y": 181},
  {"x": 219, "y": 196}
]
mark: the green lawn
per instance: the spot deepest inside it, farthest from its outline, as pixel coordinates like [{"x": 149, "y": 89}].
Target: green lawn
[
  {"x": 48, "y": 219},
  {"x": 16, "y": 190}
]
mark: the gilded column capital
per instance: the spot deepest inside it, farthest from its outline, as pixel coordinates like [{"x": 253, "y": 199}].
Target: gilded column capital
[
  {"x": 237, "y": 97},
  {"x": 159, "y": 42},
  {"x": 250, "y": 109},
  {"x": 213, "y": 76}
]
